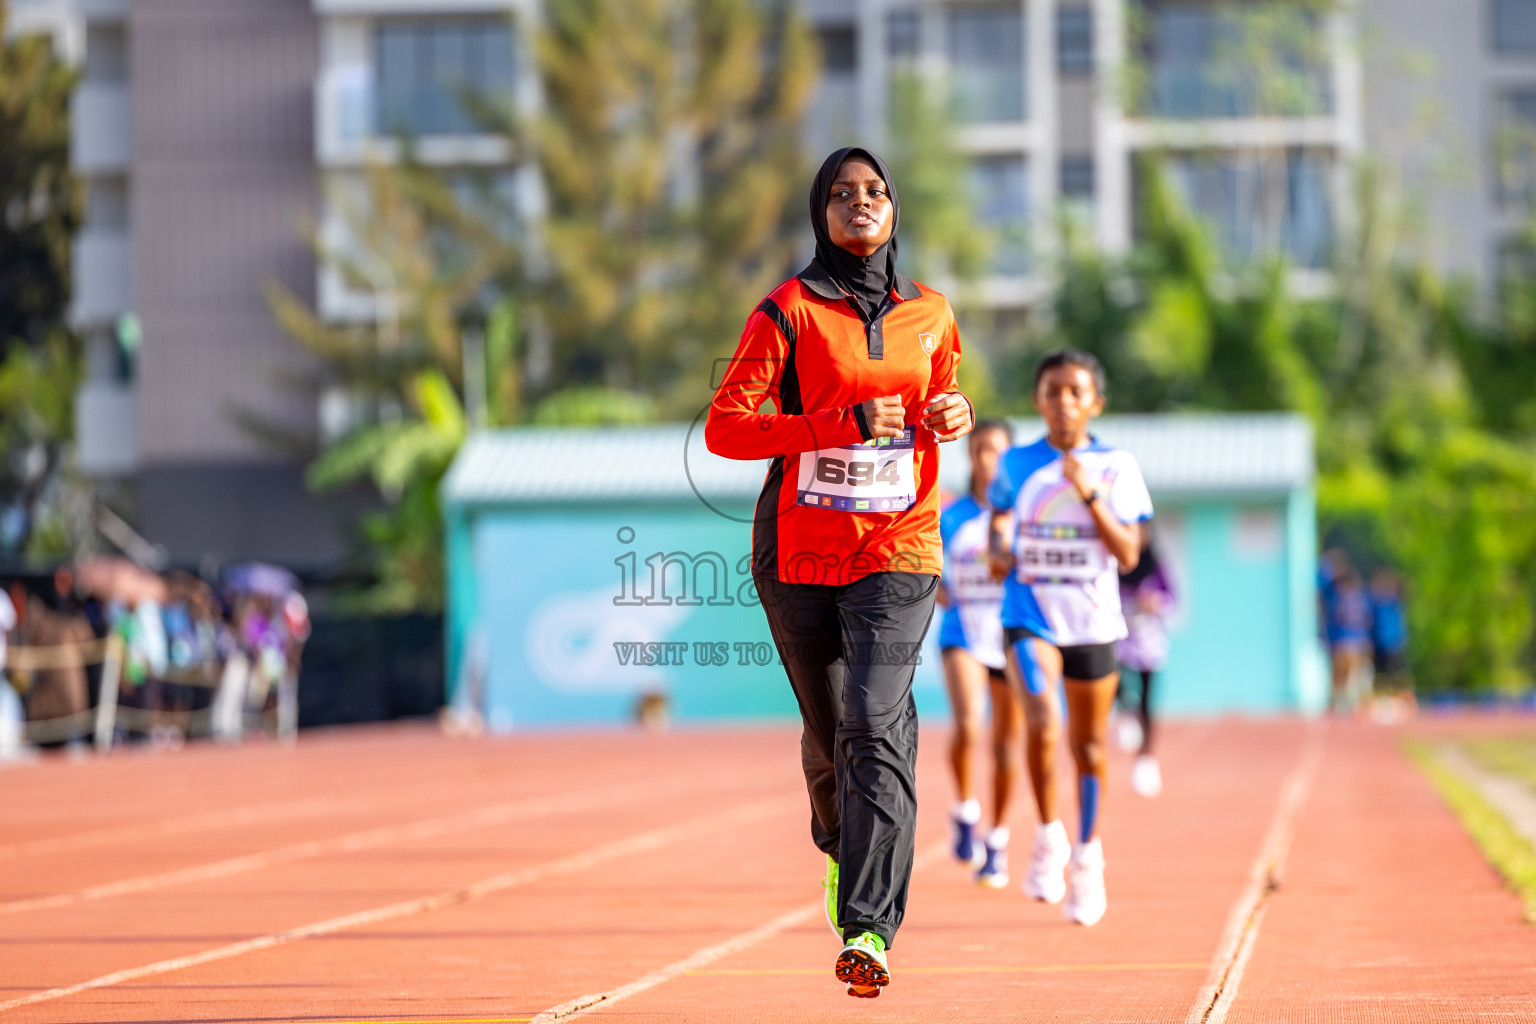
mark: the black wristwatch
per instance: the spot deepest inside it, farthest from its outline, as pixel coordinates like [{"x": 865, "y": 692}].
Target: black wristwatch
[{"x": 1093, "y": 496}]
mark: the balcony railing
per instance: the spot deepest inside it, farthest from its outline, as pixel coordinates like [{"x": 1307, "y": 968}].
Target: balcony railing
[
  {"x": 103, "y": 275},
  {"x": 101, "y": 128},
  {"x": 347, "y": 135},
  {"x": 106, "y": 428}
]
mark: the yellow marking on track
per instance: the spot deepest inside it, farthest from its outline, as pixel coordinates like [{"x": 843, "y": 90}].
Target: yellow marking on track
[{"x": 1000, "y": 969}]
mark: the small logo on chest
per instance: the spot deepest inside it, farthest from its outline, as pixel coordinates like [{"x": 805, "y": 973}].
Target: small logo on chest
[{"x": 928, "y": 341}]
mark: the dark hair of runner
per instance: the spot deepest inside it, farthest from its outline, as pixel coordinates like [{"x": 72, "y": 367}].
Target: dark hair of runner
[
  {"x": 992, "y": 424},
  {"x": 1072, "y": 357}
]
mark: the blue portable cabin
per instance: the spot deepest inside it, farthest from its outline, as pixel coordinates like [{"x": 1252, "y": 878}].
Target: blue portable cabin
[{"x": 589, "y": 565}]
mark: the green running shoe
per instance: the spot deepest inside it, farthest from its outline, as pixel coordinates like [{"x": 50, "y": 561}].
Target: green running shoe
[
  {"x": 862, "y": 965},
  {"x": 829, "y": 896}
]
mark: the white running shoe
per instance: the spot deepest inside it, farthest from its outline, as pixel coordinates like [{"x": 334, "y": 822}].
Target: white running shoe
[
  {"x": 1146, "y": 776},
  {"x": 1044, "y": 880},
  {"x": 994, "y": 873},
  {"x": 1128, "y": 732},
  {"x": 1086, "y": 898}
]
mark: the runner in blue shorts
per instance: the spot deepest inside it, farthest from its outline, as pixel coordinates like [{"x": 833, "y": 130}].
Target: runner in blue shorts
[
  {"x": 971, "y": 639},
  {"x": 1066, "y": 520}
]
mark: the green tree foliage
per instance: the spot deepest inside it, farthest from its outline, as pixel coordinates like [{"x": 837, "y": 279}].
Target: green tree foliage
[
  {"x": 420, "y": 248},
  {"x": 39, "y": 197},
  {"x": 668, "y": 159},
  {"x": 944, "y": 243},
  {"x": 40, "y": 364},
  {"x": 1419, "y": 394},
  {"x": 938, "y": 219},
  {"x": 668, "y": 148},
  {"x": 1180, "y": 329},
  {"x": 406, "y": 458}
]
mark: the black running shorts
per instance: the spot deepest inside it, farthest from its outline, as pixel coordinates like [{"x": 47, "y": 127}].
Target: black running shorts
[{"x": 1082, "y": 661}]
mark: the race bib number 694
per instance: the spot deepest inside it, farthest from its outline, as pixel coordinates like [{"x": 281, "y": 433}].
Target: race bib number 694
[{"x": 876, "y": 476}]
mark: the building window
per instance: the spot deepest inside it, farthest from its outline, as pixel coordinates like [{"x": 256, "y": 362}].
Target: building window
[
  {"x": 839, "y": 49},
  {"x": 986, "y": 61},
  {"x": 1000, "y": 189},
  {"x": 1255, "y": 205},
  {"x": 1514, "y": 26},
  {"x": 1514, "y": 266},
  {"x": 1076, "y": 177},
  {"x": 1074, "y": 40},
  {"x": 1259, "y": 59},
  {"x": 1514, "y": 147},
  {"x": 903, "y": 39},
  {"x": 106, "y": 203},
  {"x": 429, "y": 70},
  {"x": 106, "y": 53}
]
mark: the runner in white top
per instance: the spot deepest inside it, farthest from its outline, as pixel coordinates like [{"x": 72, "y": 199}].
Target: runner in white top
[
  {"x": 1066, "y": 519},
  {"x": 971, "y": 639}
]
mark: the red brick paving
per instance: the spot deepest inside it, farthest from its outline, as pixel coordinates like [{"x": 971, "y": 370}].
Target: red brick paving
[{"x": 1387, "y": 913}]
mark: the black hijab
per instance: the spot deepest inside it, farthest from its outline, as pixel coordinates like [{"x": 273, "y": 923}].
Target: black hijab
[{"x": 867, "y": 278}]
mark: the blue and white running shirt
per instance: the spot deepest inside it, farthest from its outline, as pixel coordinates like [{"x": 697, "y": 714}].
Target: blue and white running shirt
[
  {"x": 973, "y": 619},
  {"x": 1065, "y": 587}
]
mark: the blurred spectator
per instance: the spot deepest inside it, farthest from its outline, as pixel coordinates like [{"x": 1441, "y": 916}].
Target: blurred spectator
[
  {"x": 1347, "y": 617},
  {"x": 58, "y": 691},
  {"x": 64, "y": 591},
  {"x": 7, "y": 623},
  {"x": 270, "y": 624},
  {"x": 10, "y": 703},
  {"x": 192, "y": 652},
  {"x": 1389, "y": 633},
  {"x": 180, "y": 644},
  {"x": 1146, "y": 597}
]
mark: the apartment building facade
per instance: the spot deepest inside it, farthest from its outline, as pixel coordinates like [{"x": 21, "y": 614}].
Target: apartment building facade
[
  {"x": 1451, "y": 113},
  {"x": 211, "y": 132},
  {"x": 193, "y": 132}
]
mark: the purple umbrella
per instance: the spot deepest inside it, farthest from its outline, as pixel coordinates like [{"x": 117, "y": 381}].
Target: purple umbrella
[{"x": 260, "y": 578}]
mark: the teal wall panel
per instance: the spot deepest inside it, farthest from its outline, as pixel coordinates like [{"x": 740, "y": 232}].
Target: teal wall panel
[
  {"x": 546, "y": 594},
  {"x": 1229, "y": 648},
  {"x": 557, "y": 590}
]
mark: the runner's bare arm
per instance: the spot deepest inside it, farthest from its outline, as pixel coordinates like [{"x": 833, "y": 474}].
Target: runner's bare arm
[
  {"x": 736, "y": 429},
  {"x": 1122, "y": 539},
  {"x": 999, "y": 554}
]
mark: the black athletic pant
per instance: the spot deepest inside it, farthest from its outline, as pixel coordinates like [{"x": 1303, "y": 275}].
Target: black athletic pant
[
  {"x": 1143, "y": 704},
  {"x": 850, "y": 652}
]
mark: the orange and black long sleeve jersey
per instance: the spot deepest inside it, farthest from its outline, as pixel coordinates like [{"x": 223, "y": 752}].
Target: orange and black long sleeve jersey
[{"x": 835, "y": 505}]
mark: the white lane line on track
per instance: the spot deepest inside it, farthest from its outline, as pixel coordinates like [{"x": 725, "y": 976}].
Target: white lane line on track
[
  {"x": 641, "y": 842},
  {"x": 224, "y": 818},
  {"x": 709, "y": 954},
  {"x": 485, "y": 817},
  {"x": 1242, "y": 929}
]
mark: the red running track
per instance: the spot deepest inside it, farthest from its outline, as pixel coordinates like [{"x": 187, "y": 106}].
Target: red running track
[{"x": 1289, "y": 872}]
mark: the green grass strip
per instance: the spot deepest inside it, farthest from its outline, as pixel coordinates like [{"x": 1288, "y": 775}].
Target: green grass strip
[
  {"x": 1506, "y": 849},
  {"x": 1507, "y": 755}
]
